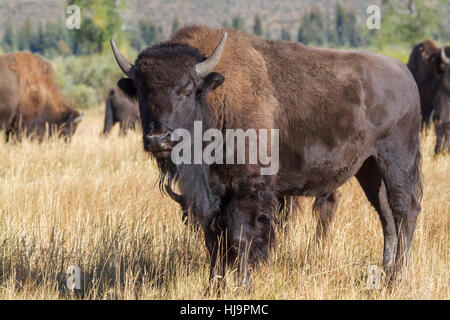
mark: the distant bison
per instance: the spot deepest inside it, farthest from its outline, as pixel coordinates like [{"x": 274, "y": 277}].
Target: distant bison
[
  {"x": 31, "y": 100},
  {"x": 429, "y": 65},
  {"x": 119, "y": 108}
]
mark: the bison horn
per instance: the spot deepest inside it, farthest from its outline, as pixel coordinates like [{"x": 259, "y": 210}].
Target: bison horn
[
  {"x": 78, "y": 119},
  {"x": 123, "y": 63},
  {"x": 444, "y": 58},
  {"x": 206, "y": 67}
]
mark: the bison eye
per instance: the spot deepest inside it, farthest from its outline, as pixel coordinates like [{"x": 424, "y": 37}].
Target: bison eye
[
  {"x": 263, "y": 218},
  {"x": 188, "y": 93}
]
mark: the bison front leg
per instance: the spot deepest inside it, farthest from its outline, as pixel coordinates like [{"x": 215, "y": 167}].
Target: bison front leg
[
  {"x": 288, "y": 206},
  {"x": 215, "y": 244},
  {"x": 250, "y": 229},
  {"x": 442, "y": 137}
]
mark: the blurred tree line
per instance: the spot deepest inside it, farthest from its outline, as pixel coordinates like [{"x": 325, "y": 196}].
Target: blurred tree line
[
  {"x": 404, "y": 22},
  {"x": 409, "y": 21},
  {"x": 85, "y": 70},
  {"x": 99, "y": 21},
  {"x": 338, "y": 30}
]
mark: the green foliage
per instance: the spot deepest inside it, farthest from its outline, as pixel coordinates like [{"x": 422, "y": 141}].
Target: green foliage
[
  {"x": 86, "y": 69},
  {"x": 101, "y": 20},
  {"x": 55, "y": 37},
  {"x": 347, "y": 32},
  {"x": 238, "y": 23},
  {"x": 24, "y": 35},
  {"x": 341, "y": 19},
  {"x": 407, "y": 22},
  {"x": 81, "y": 96},
  {"x": 175, "y": 24},
  {"x": 9, "y": 39},
  {"x": 342, "y": 31},
  {"x": 312, "y": 28},
  {"x": 85, "y": 79},
  {"x": 395, "y": 51},
  {"x": 285, "y": 35},
  {"x": 149, "y": 32},
  {"x": 145, "y": 34},
  {"x": 257, "y": 27}
]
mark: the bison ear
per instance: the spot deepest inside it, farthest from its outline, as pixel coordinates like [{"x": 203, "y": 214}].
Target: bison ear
[
  {"x": 211, "y": 82},
  {"x": 128, "y": 87}
]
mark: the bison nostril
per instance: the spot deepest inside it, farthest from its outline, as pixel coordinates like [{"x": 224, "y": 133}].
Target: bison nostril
[
  {"x": 149, "y": 138},
  {"x": 165, "y": 137},
  {"x": 263, "y": 218},
  {"x": 158, "y": 142},
  {"x": 158, "y": 138}
]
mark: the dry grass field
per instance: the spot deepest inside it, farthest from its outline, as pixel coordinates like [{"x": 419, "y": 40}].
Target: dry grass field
[{"x": 93, "y": 203}]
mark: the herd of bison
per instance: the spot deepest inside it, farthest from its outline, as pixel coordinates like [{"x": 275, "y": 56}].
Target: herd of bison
[{"x": 340, "y": 114}]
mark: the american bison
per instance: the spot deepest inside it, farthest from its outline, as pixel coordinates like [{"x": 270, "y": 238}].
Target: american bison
[
  {"x": 429, "y": 65},
  {"x": 119, "y": 108},
  {"x": 31, "y": 100},
  {"x": 339, "y": 114}
]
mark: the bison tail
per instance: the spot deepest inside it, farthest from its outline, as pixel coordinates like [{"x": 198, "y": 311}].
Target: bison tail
[
  {"x": 417, "y": 174},
  {"x": 109, "y": 117}
]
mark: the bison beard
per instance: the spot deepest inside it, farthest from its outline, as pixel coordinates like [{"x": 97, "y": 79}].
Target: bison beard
[{"x": 340, "y": 114}]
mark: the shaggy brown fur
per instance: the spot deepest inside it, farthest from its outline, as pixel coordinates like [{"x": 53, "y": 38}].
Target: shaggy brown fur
[
  {"x": 30, "y": 98},
  {"x": 340, "y": 114}
]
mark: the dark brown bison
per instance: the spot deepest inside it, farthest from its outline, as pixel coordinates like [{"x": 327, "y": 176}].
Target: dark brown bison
[
  {"x": 429, "y": 65},
  {"x": 119, "y": 108},
  {"x": 339, "y": 114},
  {"x": 31, "y": 100}
]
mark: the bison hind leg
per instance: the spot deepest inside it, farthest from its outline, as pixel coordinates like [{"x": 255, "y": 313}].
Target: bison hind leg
[
  {"x": 399, "y": 162},
  {"x": 371, "y": 181}
]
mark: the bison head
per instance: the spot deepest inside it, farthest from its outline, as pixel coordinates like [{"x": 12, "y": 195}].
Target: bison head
[
  {"x": 442, "y": 98},
  {"x": 429, "y": 65},
  {"x": 69, "y": 123},
  {"x": 441, "y": 67},
  {"x": 171, "y": 82}
]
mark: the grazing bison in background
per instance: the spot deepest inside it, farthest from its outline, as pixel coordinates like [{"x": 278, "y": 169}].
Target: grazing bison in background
[
  {"x": 429, "y": 65},
  {"x": 31, "y": 100},
  {"x": 339, "y": 113},
  {"x": 119, "y": 108}
]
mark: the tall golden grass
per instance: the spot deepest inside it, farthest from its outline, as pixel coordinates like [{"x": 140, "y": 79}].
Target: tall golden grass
[{"x": 93, "y": 203}]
